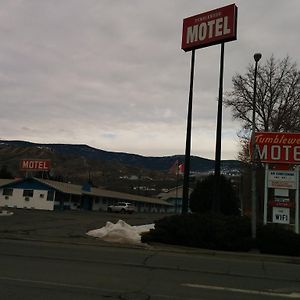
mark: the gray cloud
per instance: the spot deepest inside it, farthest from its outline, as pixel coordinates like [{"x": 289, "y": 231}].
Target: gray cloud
[{"x": 111, "y": 73}]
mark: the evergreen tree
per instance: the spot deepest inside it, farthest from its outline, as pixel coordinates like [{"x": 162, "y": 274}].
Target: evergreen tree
[{"x": 201, "y": 198}]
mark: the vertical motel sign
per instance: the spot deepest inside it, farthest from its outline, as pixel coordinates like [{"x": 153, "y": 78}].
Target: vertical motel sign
[{"x": 206, "y": 29}]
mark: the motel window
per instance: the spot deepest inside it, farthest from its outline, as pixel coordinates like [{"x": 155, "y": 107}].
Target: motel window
[
  {"x": 50, "y": 196},
  {"x": 28, "y": 193},
  {"x": 7, "y": 192}
]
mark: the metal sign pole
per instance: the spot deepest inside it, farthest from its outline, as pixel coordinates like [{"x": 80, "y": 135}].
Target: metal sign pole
[
  {"x": 185, "y": 192},
  {"x": 257, "y": 57},
  {"x": 266, "y": 194},
  {"x": 216, "y": 199},
  {"x": 297, "y": 201}
]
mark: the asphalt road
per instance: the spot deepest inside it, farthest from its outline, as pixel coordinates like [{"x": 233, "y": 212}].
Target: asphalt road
[
  {"x": 39, "y": 270},
  {"x": 46, "y": 255}
]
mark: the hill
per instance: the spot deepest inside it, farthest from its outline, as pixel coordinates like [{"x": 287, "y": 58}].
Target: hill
[{"x": 78, "y": 163}]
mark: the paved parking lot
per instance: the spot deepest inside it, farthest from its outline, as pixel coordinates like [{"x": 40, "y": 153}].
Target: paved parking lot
[
  {"x": 70, "y": 227},
  {"x": 66, "y": 226}
]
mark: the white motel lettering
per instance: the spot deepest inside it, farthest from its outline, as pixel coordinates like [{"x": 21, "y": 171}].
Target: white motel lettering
[
  {"x": 207, "y": 30},
  {"x": 278, "y": 153}
]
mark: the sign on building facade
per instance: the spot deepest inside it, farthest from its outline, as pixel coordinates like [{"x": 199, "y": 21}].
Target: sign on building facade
[{"x": 35, "y": 165}]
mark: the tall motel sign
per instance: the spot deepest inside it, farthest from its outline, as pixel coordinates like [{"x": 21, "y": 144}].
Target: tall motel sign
[
  {"x": 280, "y": 154},
  {"x": 206, "y": 29}
]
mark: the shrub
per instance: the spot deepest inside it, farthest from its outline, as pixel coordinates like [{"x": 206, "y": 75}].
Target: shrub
[
  {"x": 202, "y": 196},
  {"x": 275, "y": 239},
  {"x": 203, "y": 230}
]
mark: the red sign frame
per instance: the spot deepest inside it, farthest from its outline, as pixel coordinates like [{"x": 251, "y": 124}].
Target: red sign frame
[
  {"x": 35, "y": 165},
  {"x": 210, "y": 28},
  {"x": 278, "y": 147}
]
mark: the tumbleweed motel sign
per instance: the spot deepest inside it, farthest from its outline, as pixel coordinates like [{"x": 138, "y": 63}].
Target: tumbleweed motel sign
[
  {"x": 280, "y": 153},
  {"x": 202, "y": 30}
]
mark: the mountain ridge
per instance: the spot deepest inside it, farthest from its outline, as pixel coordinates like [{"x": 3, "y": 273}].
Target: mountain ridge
[
  {"x": 162, "y": 163},
  {"x": 119, "y": 171}
]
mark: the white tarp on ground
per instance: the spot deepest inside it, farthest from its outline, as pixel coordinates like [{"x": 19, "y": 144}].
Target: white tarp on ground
[{"x": 121, "y": 232}]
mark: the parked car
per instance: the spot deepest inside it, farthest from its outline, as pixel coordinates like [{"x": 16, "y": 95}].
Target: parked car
[{"x": 122, "y": 207}]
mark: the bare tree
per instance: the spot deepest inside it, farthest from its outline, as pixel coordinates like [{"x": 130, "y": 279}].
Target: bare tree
[
  {"x": 278, "y": 97},
  {"x": 277, "y": 109}
]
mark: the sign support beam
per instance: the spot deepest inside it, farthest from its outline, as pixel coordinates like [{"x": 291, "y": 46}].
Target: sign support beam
[
  {"x": 185, "y": 192},
  {"x": 297, "y": 201},
  {"x": 266, "y": 194},
  {"x": 216, "y": 199}
]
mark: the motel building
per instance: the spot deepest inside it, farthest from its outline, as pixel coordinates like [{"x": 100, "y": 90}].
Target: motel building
[
  {"x": 174, "y": 197},
  {"x": 36, "y": 193}
]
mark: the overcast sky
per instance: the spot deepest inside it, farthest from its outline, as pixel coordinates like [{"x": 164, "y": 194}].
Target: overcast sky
[{"x": 111, "y": 73}]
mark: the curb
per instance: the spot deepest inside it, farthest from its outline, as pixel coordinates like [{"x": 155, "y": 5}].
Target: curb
[
  {"x": 253, "y": 255},
  {"x": 159, "y": 247}
]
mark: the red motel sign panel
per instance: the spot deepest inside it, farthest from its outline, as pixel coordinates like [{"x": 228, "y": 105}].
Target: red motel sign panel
[
  {"x": 35, "y": 165},
  {"x": 210, "y": 28},
  {"x": 278, "y": 147}
]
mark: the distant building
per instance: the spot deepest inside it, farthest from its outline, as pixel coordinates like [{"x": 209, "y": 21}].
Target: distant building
[
  {"x": 35, "y": 193},
  {"x": 174, "y": 197}
]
